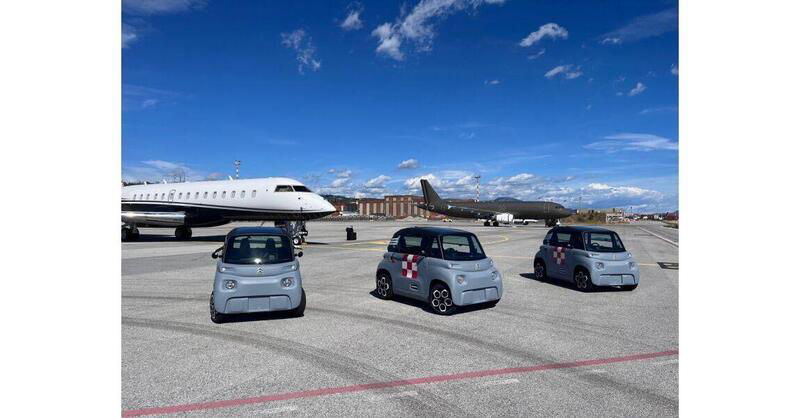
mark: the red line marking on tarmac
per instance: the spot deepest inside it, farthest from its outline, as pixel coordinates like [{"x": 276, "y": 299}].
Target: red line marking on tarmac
[{"x": 382, "y": 385}]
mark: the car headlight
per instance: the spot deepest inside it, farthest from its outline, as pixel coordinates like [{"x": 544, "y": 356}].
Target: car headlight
[
  {"x": 632, "y": 265},
  {"x": 287, "y": 282},
  {"x": 229, "y": 284},
  {"x": 495, "y": 274},
  {"x": 461, "y": 279},
  {"x": 225, "y": 269},
  {"x": 599, "y": 265}
]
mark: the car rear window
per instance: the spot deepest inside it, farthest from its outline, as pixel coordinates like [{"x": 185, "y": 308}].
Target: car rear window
[
  {"x": 258, "y": 249},
  {"x": 603, "y": 242},
  {"x": 461, "y": 247}
]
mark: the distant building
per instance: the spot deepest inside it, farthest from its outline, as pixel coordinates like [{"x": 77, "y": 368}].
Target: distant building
[
  {"x": 672, "y": 216},
  {"x": 395, "y": 206}
]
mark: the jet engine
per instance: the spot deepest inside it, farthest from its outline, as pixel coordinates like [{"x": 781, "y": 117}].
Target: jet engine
[
  {"x": 505, "y": 218},
  {"x": 156, "y": 219}
]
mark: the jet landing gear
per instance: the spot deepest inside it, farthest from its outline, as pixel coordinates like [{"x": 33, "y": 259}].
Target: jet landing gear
[
  {"x": 130, "y": 233},
  {"x": 491, "y": 223},
  {"x": 183, "y": 233},
  {"x": 550, "y": 222}
]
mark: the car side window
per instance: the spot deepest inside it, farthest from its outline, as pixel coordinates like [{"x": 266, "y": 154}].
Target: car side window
[
  {"x": 561, "y": 239},
  {"x": 393, "y": 243},
  {"x": 548, "y": 237},
  {"x": 431, "y": 247},
  {"x": 410, "y": 244}
]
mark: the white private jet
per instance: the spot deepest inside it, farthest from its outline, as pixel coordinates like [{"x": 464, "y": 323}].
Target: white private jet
[{"x": 212, "y": 203}]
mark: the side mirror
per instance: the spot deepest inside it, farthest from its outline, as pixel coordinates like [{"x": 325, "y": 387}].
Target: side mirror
[
  {"x": 544, "y": 242},
  {"x": 299, "y": 254},
  {"x": 217, "y": 253}
]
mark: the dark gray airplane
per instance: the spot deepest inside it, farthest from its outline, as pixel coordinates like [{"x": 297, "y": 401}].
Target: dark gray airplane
[{"x": 494, "y": 213}]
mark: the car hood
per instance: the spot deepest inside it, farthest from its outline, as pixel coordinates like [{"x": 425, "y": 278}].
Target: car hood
[
  {"x": 474, "y": 265},
  {"x": 610, "y": 256}
]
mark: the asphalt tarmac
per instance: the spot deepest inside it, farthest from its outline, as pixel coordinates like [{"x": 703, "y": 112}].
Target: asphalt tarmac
[{"x": 545, "y": 349}]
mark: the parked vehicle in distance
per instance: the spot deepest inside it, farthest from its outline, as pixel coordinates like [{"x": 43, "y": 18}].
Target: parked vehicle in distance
[
  {"x": 587, "y": 256},
  {"x": 444, "y": 267},
  {"x": 257, "y": 271}
]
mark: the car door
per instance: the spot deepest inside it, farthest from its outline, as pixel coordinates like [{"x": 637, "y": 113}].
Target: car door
[
  {"x": 558, "y": 254},
  {"x": 408, "y": 261}
]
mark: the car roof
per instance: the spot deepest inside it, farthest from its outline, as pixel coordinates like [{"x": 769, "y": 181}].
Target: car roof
[
  {"x": 257, "y": 230},
  {"x": 433, "y": 230},
  {"x": 581, "y": 229}
]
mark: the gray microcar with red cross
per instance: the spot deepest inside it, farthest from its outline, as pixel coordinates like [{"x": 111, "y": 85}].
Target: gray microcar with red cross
[
  {"x": 587, "y": 256},
  {"x": 444, "y": 267}
]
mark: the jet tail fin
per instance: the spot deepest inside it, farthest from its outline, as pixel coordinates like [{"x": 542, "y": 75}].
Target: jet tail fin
[{"x": 428, "y": 192}]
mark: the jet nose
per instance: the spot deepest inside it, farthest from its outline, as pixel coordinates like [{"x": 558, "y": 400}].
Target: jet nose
[{"x": 327, "y": 206}]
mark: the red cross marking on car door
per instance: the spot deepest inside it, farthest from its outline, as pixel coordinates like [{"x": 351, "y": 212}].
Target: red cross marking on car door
[
  {"x": 560, "y": 255},
  {"x": 409, "y": 266}
]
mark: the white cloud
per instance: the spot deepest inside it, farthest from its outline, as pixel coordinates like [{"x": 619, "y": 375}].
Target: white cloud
[
  {"x": 157, "y": 170},
  {"x": 301, "y": 43},
  {"x": 674, "y": 69},
  {"x": 129, "y": 35},
  {"x": 663, "y": 109},
  {"x": 149, "y": 102},
  {"x": 339, "y": 182},
  {"x": 139, "y": 97},
  {"x": 413, "y": 182},
  {"x": 548, "y": 30},
  {"x": 344, "y": 174},
  {"x": 377, "y": 182},
  {"x": 353, "y": 20},
  {"x": 418, "y": 27},
  {"x": 537, "y": 55},
  {"x": 410, "y": 163},
  {"x": 640, "y": 87},
  {"x": 633, "y": 142},
  {"x": 567, "y": 71},
  {"x": 611, "y": 41},
  {"x": 492, "y": 82},
  {"x": 157, "y": 7},
  {"x": 643, "y": 27}
]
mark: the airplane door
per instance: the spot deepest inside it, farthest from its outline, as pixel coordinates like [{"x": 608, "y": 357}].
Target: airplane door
[{"x": 171, "y": 195}]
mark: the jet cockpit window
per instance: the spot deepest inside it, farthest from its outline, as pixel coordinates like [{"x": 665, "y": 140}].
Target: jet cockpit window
[
  {"x": 302, "y": 189},
  {"x": 283, "y": 188}
]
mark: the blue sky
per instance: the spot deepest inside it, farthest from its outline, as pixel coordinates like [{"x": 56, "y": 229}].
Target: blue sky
[{"x": 574, "y": 102}]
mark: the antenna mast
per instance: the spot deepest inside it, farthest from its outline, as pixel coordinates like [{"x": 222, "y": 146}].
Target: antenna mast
[{"x": 237, "y": 163}]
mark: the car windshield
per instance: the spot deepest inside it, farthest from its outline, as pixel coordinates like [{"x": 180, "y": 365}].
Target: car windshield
[
  {"x": 603, "y": 242},
  {"x": 461, "y": 247},
  {"x": 258, "y": 249}
]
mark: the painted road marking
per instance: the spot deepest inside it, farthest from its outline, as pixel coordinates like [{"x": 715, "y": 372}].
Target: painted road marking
[
  {"x": 659, "y": 237},
  {"x": 313, "y": 393}
]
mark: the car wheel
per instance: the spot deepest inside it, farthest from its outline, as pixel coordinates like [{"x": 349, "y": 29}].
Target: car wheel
[
  {"x": 539, "y": 270},
  {"x": 629, "y": 287},
  {"x": 583, "y": 281},
  {"x": 301, "y": 308},
  {"x": 126, "y": 234},
  {"x": 383, "y": 286},
  {"x": 216, "y": 317},
  {"x": 441, "y": 300}
]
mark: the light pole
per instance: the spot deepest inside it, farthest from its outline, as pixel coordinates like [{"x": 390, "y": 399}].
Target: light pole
[
  {"x": 478, "y": 188},
  {"x": 236, "y": 164}
]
